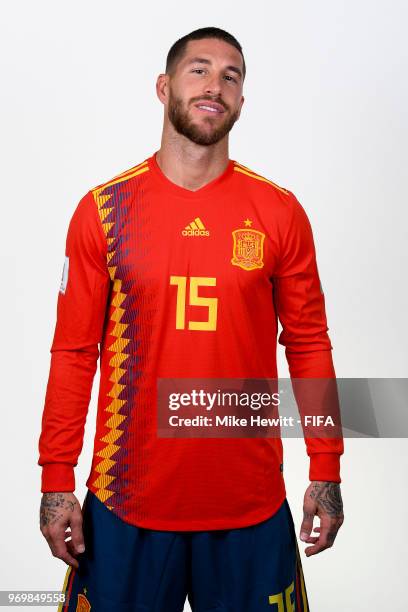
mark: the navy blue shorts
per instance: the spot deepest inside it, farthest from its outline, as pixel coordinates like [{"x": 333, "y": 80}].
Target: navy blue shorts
[{"x": 132, "y": 569}]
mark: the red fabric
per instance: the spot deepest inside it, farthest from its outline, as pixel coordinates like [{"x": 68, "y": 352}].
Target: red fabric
[{"x": 125, "y": 242}]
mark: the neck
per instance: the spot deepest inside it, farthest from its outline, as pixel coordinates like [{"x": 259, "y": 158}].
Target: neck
[{"x": 190, "y": 165}]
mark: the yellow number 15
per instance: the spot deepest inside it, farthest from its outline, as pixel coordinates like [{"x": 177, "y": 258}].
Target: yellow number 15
[{"x": 195, "y": 300}]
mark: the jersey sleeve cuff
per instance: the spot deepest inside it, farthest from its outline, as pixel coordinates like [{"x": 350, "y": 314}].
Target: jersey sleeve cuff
[
  {"x": 57, "y": 477},
  {"x": 325, "y": 466}
]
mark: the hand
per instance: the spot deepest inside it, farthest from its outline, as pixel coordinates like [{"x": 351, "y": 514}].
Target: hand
[
  {"x": 324, "y": 499},
  {"x": 57, "y": 512}
]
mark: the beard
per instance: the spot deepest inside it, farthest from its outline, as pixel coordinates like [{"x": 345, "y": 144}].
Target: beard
[{"x": 183, "y": 124}]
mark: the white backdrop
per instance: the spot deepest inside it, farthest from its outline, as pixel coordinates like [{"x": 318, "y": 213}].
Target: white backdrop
[{"x": 325, "y": 116}]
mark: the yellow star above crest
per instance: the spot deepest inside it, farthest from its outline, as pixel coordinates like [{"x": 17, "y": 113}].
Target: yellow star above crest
[{"x": 248, "y": 223}]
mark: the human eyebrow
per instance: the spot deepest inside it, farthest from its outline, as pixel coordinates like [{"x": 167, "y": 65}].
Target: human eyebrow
[{"x": 203, "y": 60}]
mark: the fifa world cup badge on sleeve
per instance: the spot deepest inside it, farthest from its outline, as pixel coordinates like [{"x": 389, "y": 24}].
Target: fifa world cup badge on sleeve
[
  {"x": 247, "y": 248},
  {"x": 64, "y": 278}
]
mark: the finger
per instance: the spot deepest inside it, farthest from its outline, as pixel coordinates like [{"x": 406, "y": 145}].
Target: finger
[
  {"x": 328, "y": 532},
  {"x": 63, "y": 553},
  {"x": 323, "y": 539},
  {"x": 60, "y": 550},
  {"x": 309, "y": 512},
  {"x": 311, "y": 540},
  {"x": 69, "y": 559},
  {"x": 77, "y": 535},
  {"x": 71, "y": 549}
]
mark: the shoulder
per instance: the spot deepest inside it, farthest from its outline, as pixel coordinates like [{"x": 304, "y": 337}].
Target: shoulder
[
  {"x": 273, "y": 196},
  {"x": 253, "y": 179},
  {"x": 111, "y": 194},
  {"x": 277, "y": 200},
  {"x": 121, "y": 179}
]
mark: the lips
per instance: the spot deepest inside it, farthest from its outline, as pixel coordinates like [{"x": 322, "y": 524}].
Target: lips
[{"x": 210, "y": 107}]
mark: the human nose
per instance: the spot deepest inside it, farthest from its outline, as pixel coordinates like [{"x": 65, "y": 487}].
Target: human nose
[{"x": 213, "y": 85}]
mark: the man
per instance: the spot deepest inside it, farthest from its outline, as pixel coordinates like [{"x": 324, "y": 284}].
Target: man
[{"x": 179, "y": 268}]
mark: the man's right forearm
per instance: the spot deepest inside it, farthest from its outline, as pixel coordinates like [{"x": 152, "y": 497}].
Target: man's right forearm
[{"x": 63, "y": 423}]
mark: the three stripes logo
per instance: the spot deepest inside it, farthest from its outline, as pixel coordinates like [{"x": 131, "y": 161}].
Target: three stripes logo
[{"x": 195, "y": 228}]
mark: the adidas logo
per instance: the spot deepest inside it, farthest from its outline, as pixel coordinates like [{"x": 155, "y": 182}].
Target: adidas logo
[{"x": 195, "y": 228}]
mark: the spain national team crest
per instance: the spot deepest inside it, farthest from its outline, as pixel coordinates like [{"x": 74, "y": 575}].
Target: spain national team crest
[
  {"x": 248, "y": 248},
  {"x": 83, "y": 604}
]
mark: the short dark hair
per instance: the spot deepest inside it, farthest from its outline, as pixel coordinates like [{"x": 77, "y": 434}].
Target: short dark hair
[{"x": 178, "y": 49}]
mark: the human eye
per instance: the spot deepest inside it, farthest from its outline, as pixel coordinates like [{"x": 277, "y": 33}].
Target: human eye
[
  {"x": 197, "y": 70},
  {"x": 229, "y": 77}
]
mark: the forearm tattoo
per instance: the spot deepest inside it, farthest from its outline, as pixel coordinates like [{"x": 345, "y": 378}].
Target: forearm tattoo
[
  {"x": 52, "y": 505},
  {"x": 327, "y": 495}
]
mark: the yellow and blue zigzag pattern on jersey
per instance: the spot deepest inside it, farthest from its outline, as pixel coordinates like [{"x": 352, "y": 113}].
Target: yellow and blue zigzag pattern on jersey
[{"x": 105, "y": 201}]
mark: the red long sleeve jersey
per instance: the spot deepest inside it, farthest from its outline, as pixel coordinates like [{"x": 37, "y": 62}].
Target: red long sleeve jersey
[{"x": 243, "y": 249}]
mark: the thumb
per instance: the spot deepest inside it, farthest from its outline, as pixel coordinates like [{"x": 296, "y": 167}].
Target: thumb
[
  {"x": 77, "y": 536},
  {"x": 306, "y": 527}
]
